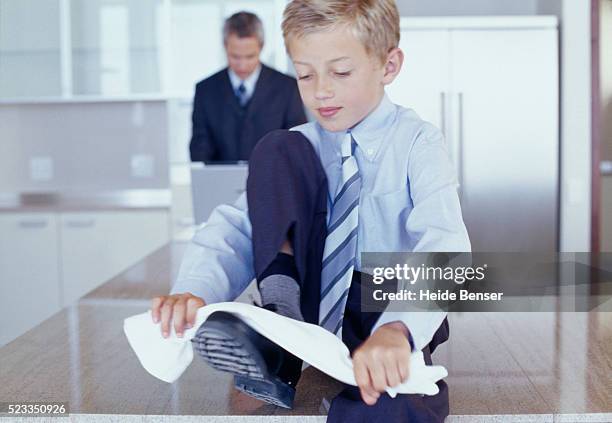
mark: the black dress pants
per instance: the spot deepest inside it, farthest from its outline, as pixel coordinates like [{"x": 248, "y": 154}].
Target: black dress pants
[{"x": 287, "y": 199}]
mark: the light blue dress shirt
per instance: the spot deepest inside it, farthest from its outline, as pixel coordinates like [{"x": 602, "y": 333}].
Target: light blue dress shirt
[
  {"x": 408, "y": 203},
  {"x": 249, "y": 83}
]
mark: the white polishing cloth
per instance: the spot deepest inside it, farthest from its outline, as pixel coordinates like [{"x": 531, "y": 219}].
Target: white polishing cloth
[{"x": 167, "y": 358}]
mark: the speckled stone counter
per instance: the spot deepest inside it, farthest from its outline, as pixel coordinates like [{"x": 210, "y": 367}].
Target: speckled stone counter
[{"x": 502, "y": 367}]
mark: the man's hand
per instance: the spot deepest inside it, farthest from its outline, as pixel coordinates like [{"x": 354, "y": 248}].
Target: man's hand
[
  {"x": 181, "y": 309},
  {"x": 382, "y": 361}
]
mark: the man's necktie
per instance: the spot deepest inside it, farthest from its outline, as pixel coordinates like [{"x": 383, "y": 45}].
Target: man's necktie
[
  {"x": 241, "y": 94},
  {"x": 341, "y": 243}
]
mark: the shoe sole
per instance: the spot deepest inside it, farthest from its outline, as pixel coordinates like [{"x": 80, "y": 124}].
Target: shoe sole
[{"x": 227, "y": 344}]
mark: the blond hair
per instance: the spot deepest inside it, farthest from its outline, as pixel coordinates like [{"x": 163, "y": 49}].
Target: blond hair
[{"x": 374, "y": 22}]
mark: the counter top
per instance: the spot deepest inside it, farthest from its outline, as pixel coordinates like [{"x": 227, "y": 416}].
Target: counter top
[
  {"x": 79, "y": 201},
  {"x": 502, "y": 367}
]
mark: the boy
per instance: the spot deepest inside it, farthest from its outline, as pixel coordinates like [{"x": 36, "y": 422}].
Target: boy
[{"x": 366, "y": 176}]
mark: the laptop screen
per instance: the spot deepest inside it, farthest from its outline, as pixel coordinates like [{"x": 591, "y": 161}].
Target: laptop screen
[{"x": 212, "y": 185}]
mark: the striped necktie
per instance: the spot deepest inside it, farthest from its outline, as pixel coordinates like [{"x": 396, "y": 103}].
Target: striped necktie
[
  {"x": 341, "y": 243},
  {"x": 241, "y": 94}
]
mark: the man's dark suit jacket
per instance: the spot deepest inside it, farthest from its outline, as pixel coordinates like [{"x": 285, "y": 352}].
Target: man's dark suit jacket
[{"x": 224, "y": 131}]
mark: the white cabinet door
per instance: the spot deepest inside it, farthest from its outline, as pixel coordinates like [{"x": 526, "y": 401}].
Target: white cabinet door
[
  {"x": 29, "y": 274},
  {"x": 506, "y": 84},
  {"x": 30, "y": 54},
  {"x": 97, "y": 246},
  {"x": 424, "y": 81},
  {"x": 115, "y": 48}
]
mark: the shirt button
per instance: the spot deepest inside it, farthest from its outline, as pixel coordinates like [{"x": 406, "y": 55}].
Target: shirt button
[{"x": 370, "y": 151}]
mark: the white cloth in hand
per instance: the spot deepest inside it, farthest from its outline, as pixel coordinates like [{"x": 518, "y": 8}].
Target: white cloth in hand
[{"x": 167, "y": 358}]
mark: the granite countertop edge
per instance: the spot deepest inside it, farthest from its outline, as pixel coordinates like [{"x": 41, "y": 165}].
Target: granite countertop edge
[{"x": 130, "y": 199}]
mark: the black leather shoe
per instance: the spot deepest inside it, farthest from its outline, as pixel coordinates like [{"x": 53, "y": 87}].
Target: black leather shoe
[{"x": 261, "y": 368}]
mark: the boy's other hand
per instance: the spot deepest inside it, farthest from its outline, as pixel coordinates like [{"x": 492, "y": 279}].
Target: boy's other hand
[
  {"x": 180, "y": 309},
  {"x": 382, "y": 361}
]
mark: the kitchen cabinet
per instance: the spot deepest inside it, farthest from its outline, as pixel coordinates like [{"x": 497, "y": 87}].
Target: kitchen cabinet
[
  {"x": 508, "y": 137},
  {"x": 95, "y": 246},
  {"x": 491, "y": 85},
  {"x": 30, "y": 49},
  {"x": 115, "y": 47},
  {"x": 423, "y": 83},
  {"x": 48, "y": 260},
  {"x": 101, "y": 49},
  {"x": 606, "y": 218},
  {"x": 30, "y": 289}
]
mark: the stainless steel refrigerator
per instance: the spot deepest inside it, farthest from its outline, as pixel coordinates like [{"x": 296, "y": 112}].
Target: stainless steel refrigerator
[{"x": 491, "y": 85}]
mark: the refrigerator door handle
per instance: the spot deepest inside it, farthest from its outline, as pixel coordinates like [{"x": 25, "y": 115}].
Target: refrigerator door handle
[
  {"x": 443, "y": 120},
  {"x": 460, "y": 148}
]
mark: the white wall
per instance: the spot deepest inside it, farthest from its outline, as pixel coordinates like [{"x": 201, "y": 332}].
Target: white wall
[{"x": 467, "y": 7}]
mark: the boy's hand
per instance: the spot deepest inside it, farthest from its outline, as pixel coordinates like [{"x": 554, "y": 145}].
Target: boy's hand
[
  {"x": 382, "y": 361},
  {"x": 179, "y": 308}
]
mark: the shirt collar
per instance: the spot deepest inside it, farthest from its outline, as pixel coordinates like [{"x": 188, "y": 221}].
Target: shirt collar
[
  {"x": 369, "y": 133},
  {"x": 249, "y": 83}
]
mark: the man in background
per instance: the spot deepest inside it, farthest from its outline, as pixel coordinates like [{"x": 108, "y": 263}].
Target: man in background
[{"x": 238, "y": 105}]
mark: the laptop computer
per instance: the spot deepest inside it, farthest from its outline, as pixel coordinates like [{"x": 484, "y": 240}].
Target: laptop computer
[{"x": 215, "y": 184}]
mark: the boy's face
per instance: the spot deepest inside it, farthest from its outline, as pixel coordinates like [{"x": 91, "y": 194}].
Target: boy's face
[{"x": 340, "y": 83}]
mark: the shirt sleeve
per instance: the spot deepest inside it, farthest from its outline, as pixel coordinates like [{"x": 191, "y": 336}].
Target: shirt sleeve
[
  {"x": 218, "y": 263},
  {"x": 435, "y": 222}
]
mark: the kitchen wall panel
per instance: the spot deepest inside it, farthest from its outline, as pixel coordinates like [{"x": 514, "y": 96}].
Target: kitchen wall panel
[{"x": 83, "y": 146}]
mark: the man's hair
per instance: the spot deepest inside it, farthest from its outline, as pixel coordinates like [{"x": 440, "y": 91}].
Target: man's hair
[
  {"x": 374, "y": 22},
  {"x": 243, "y": 24}
]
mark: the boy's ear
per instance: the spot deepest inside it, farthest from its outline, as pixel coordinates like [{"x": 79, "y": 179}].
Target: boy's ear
[{"x": 393, "y": 65}]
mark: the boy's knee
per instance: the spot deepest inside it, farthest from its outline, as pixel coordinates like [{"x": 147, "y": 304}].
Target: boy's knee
[{"x": 283, "y": 145}]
